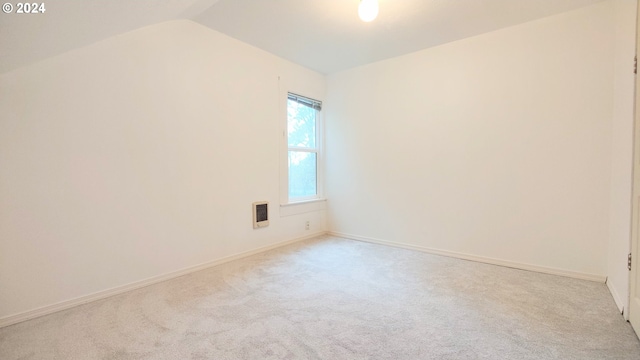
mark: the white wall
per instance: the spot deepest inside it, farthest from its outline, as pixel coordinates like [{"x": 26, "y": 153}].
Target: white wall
[
  {"x": 139, "y": 156},
  {"x": 496, "y": 146},
  {"x": 622, "y": 151}
]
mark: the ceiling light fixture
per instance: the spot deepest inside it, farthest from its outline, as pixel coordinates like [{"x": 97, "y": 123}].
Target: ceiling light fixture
[{"x": 368, "y": 10}]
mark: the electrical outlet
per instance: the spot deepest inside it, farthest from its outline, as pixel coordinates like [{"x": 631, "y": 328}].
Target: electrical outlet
[{"x": 306, "y": 225}]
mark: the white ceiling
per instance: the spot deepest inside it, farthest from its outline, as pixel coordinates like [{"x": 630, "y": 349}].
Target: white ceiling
[
  {"x": 70, "y": 24},
  {"x": 324, "y": 35},
  {"x": 328, "y": 36}
]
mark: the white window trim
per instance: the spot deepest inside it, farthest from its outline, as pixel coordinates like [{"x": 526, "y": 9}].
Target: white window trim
[
  {"x": 302, "y": 207},
  {"x": 302, "y": 202},
  {"x": 285, "y": 201}
]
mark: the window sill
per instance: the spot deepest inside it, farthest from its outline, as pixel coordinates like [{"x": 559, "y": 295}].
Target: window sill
[
  {"x": 302, "y": 202},
  {"x": 301, "y": 207}
]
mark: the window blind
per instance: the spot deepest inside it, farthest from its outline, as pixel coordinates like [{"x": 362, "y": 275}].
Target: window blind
[{"x": 314, "y": 104}]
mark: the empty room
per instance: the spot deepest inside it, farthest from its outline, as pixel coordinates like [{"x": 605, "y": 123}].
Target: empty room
[{"x": 335, "y": 179}]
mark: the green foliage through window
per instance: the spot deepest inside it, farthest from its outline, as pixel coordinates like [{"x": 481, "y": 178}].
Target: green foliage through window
[{"x": 302, "y": 140}]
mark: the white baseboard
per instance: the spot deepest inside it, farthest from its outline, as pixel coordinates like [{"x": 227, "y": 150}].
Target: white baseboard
[
  {"x": 67, "y": 304},
  {"x": 482, "y": 259},
  {"x": 616, "y": 298}
]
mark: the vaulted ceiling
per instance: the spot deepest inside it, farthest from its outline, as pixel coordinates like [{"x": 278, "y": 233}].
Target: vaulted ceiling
[{"x": 324, "y": 35}]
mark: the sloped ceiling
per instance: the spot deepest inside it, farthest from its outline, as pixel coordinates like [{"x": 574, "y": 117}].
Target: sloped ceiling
[
  {"x": 70, "y": 24},
  {"x": 324, "y": 35}
]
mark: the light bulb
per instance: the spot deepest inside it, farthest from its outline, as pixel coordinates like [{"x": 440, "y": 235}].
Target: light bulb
[{"x": 368, "y": 10}]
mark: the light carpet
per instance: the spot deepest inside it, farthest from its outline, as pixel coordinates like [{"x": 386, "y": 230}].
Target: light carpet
[{"x": 332, "y": 298}]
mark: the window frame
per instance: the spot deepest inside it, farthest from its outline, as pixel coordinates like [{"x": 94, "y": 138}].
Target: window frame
[{"x": 317, "y": 150}]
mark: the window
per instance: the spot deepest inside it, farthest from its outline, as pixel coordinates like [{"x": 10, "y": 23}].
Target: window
[{"x": 303, "y": 145}]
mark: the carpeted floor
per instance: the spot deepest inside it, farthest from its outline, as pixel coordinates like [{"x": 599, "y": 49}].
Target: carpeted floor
[{"x": 331, "y": 298}]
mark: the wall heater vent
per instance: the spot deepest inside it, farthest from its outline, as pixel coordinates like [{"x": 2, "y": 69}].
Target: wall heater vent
[{"x": 260, "y": 214}]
